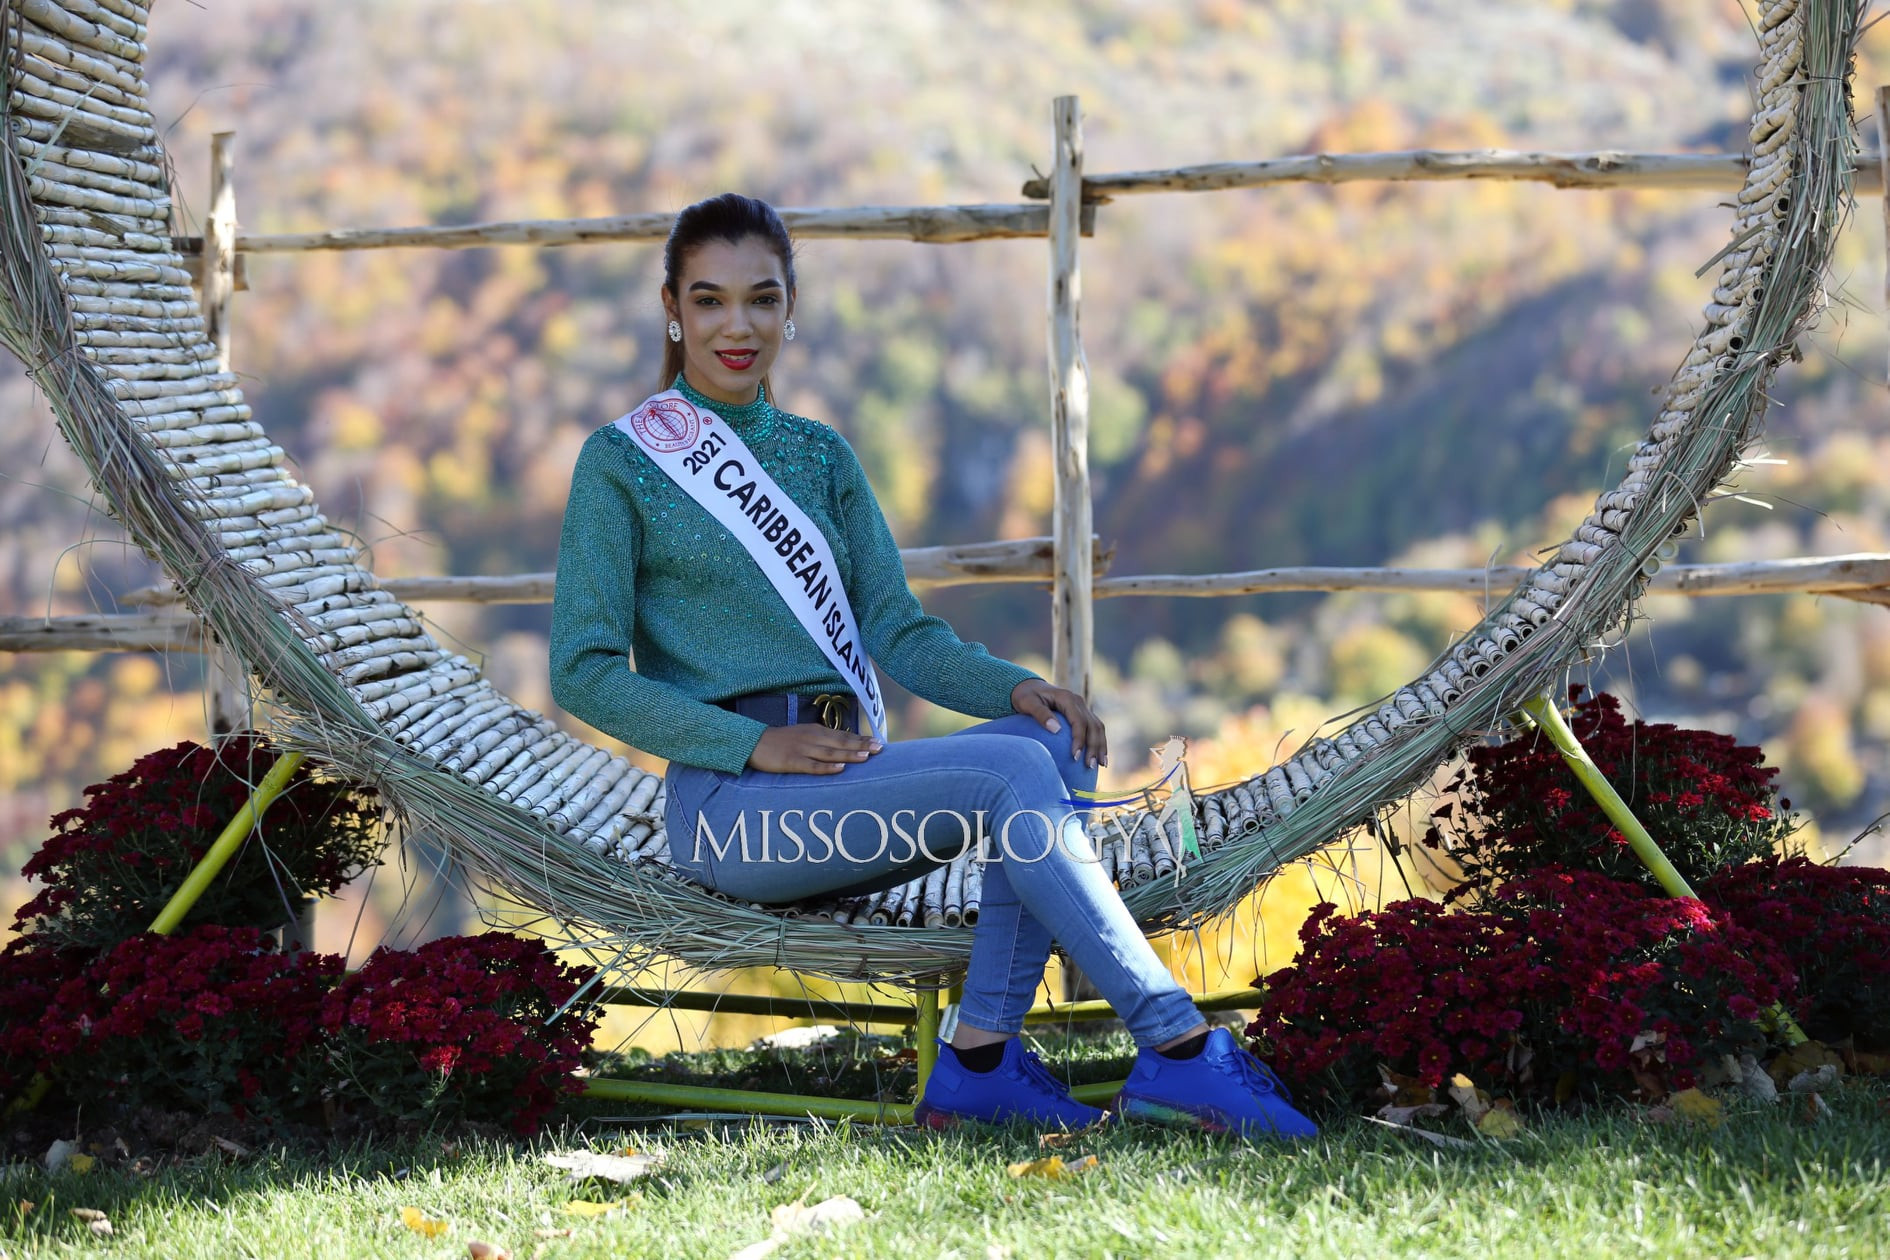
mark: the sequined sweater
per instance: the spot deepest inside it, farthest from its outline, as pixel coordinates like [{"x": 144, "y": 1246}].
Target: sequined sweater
[{"x": 647, "y": 575}]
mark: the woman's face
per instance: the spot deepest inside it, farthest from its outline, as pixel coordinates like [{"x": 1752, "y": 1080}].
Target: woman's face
[{"x": 731, "y": 300}]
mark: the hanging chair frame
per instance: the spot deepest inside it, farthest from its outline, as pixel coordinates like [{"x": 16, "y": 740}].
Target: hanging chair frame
[{"x": 95, "y": 300}]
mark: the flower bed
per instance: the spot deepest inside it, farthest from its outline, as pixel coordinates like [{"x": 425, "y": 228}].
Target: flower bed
[
  {"x": 110, "y": 865},
  {"x": 218, "y": 1019},
  {"x": 1567, "y": 983},
  {"x": 1557, "y": 969}
]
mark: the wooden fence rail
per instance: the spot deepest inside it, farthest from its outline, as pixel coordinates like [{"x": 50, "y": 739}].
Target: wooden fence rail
[
  {"x": 955, "y": 224},
  {"x": 1601, "y": 169}
]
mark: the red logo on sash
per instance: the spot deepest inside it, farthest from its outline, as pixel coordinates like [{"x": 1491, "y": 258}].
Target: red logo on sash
[{"x": 666, "y": 424}]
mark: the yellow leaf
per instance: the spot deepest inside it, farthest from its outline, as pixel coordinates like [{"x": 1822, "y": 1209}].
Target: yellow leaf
[
  {"x": 1691, "y": 1104},
  {"x": 584, "y": 1207},
  {"x": 1475, "y": 1103},
  {"x": 1499, "y": 1122},
  {"x": 422, "y": 1224},
  {"x": 82, "y": 1164},
  {"x": 1053, "y": 1168}
]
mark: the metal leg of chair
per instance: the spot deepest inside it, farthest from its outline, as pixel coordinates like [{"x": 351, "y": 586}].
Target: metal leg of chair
[
  {"x": 925, "y": 1035},
  {"x": 226, "y": 844},
  {"x": 1548, "y": 718}
]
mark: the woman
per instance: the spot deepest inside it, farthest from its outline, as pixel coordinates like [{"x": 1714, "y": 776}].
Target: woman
[{"x": 737, "y": 554}]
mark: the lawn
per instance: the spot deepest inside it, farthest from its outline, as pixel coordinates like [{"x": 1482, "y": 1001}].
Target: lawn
[{"x": 1767, "y": 1181}]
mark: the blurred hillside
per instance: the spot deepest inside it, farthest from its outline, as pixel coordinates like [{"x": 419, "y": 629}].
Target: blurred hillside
[{"x": 1434, "y": 374}]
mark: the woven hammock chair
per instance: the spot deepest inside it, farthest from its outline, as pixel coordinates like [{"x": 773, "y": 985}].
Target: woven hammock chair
[{"x": 99, "y": 305}]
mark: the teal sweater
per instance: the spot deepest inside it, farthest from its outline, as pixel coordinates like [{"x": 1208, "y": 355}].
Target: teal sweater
[{"x": 646, "y": 574}]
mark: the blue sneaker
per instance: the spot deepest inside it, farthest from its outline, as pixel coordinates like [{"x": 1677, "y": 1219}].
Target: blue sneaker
[
  {"x": 1018, "y": 1088},
  {"x": 1222, "y": 1090}
]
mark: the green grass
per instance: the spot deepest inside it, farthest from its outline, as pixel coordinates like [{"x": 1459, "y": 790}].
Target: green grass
[{"x": 1601, "y": 1184}]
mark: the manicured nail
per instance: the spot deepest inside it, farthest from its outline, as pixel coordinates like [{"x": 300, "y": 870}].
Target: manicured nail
[{"x": 1053, "y": 726}]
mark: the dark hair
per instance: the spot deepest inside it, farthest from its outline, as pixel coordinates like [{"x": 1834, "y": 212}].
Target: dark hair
[{"x": 729, "y": 217}]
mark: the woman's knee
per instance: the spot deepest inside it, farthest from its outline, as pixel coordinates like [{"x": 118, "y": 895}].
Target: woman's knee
[{"x": 1059, "y": 744}]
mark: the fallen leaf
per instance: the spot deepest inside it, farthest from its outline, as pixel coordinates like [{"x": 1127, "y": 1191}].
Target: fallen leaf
[
  {"x": 82, "y": 1164},
  {"x": 1643, "y": 1040},
  {"x": 553, "y": 1233},
  {"x": 231, "y": 1148},
  {"x": 1475, "y": 1103},
  {"x": 1436, "y": 1139},
  {"x": 1405, "y": 1115},
  {"x": 58, "y": 1154},
  {"x": 774, "y": 1174},
  {"x": 1815, "y": 1108},
  {"x": 1825, "y": 1077},
  {"x": 584, "y": 1207},
  {"x": 477, "y": 1250},
  {"x": 798, "y": 1218},
  {"x": 1691, "y": 1104},
  {"x": 95, "y": 1220},
  {"x": 1052, "y": 1167},
  {"x": 1752, "y": 1079},
  {"x": 1404, "y": 1091},
  {"x": 422, "y": 1224},
  {"x": 591, "y": 1165},
  {"x": 1807, "y": 1056},
  {"x": 791, "y": 1219},
  {"x": 1055, "y": 1141},
  {"x": 1500, "y": 1122},
  {"x": 1866, "y": 1063},
  {"x": 1662, "y": 1114}
]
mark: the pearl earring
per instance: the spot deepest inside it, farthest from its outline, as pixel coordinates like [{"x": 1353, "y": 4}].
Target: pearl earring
[
  {"x": 675, "y": 331},
  {"x": 787, "y": 330}
]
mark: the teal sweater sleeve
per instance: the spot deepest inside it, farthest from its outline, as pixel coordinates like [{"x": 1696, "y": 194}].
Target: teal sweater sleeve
[
  {"x": 922, "y": 653},
  {"x": 593, "y": 624}
]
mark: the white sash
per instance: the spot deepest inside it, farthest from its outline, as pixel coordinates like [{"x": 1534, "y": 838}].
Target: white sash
[{"x": 715, "y": 467}]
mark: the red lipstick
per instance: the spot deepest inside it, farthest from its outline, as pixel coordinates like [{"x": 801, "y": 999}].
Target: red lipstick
[{"x": 736, "y": 360}]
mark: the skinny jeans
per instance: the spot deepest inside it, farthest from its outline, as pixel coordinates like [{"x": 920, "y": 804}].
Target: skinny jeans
[{"x": 1002, "y": 786}]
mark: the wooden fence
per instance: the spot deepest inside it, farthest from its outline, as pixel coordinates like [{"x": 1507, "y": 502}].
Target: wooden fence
[{"x": 1062, "y": 208}]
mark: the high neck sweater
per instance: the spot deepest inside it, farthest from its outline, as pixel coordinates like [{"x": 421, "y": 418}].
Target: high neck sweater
[{"x": 647, "y": 575}]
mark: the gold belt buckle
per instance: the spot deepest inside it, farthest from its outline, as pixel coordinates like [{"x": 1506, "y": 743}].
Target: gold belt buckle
[{"x": 832, "y": 709}]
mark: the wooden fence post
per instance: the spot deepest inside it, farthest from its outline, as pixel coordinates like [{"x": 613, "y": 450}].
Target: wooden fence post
[
  {"x": 1072, "y": 621},
  {"x": 1072, "y": 615},
  {"x": 226, "y": 682},
  {"x": 1883, "y": 157}
]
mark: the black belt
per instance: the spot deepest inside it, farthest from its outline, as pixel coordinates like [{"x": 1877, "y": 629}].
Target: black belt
[{"x": 839, "y": 710}]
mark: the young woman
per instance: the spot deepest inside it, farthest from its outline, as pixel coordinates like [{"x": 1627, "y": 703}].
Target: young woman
[{"x": 736, "y": 553}]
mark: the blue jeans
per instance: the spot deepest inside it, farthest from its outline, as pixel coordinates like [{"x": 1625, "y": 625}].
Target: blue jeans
[{"x": 1007, "y": 779}]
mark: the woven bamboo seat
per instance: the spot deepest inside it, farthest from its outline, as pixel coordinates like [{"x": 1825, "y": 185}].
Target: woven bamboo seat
[{"x": 98, "y": 304}]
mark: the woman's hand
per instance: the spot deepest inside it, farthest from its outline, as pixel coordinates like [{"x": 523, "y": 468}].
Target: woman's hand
[
  {"x": 809, "y": 748},
  {"x": 1038, "y": 699}
]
